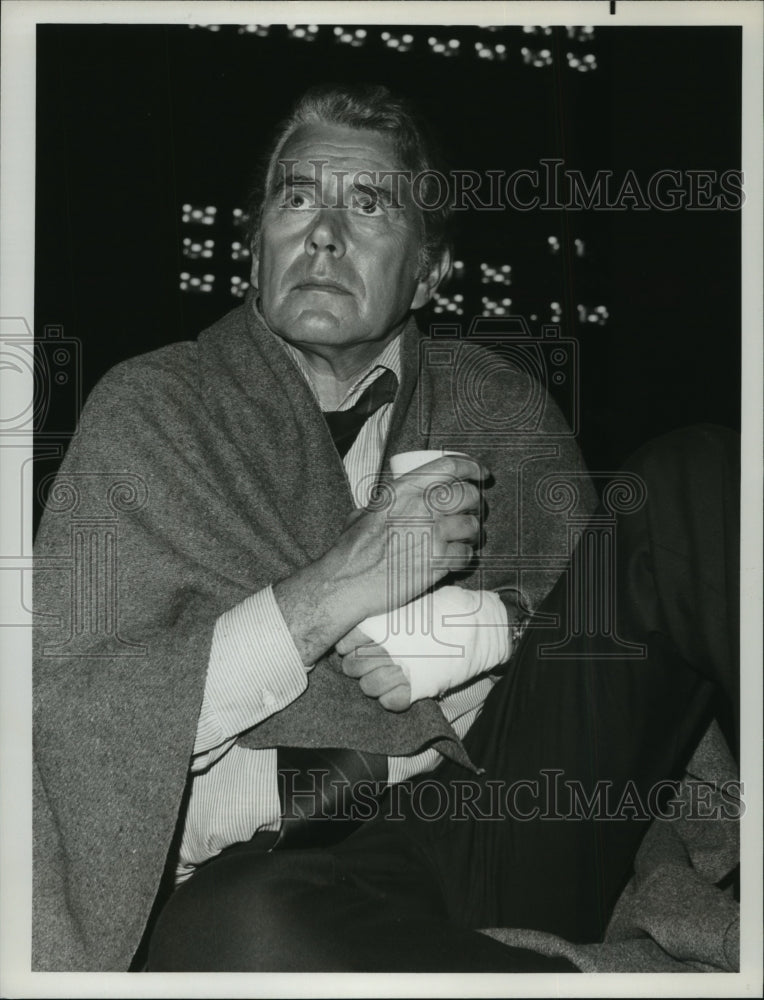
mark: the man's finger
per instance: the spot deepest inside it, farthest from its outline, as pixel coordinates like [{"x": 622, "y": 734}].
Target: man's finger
[
  {"x": 355, "y": 638},
  {"x": 445, "y": 496},
  {"x": 447, "y": 468},
  {"x": 382, "y": 680},
  {"x": 367, "y": 658},
  {"x": 460, "y": 528},
  {"x": 397, "y": 700},
  {"x": 458, "y": 556}
]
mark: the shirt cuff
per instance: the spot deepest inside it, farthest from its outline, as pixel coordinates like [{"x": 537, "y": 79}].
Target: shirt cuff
[{"x": 254, "y": 670}]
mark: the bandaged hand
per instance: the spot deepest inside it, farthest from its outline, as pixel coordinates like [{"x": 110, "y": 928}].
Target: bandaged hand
[{"x": 432, "y": 644}]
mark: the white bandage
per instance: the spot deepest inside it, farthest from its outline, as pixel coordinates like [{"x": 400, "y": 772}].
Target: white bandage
[{"x": 444, "y": 638}]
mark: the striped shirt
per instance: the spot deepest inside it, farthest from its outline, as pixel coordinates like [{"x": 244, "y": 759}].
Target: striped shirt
[{"x": 255, "y": 671}]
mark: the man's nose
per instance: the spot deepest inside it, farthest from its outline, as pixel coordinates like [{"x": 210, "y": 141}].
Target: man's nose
[{"x": 325, "y": 234}]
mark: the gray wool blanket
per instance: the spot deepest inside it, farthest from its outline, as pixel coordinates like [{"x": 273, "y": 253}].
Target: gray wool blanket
[{"x": 201, "y": 473}]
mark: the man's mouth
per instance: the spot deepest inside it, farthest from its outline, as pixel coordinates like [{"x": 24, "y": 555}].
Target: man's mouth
[{"x": 322, "y": 285}]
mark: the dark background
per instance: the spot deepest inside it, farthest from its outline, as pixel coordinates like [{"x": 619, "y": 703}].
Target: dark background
[{"x": 136, "y": 121}]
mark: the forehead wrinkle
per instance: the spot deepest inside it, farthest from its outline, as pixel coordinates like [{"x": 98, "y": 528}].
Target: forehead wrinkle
[
  {"x": 327, "y": 148},
  {"x": 330, "y": 162},
  {"x": 370, "y": 148}
]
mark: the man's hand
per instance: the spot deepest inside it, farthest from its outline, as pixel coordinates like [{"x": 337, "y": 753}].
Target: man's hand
[
  {"x": 438, "y": 641},
  {"x": 378, "y": 676},
  {"x": 425, "y": 526}
]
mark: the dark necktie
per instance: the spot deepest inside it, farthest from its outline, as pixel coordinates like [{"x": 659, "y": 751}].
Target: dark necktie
[
  {"x": 345, "y": 425},
  {"x": 318, "y": 787}
]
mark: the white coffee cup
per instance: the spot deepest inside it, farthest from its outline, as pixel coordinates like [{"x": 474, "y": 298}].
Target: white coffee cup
[{"x": 407, "y": 461}]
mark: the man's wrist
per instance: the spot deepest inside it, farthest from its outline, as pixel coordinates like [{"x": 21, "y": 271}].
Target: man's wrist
[
  {"x": 519, "y": 614},
  {"x": 317, "y": 609}
]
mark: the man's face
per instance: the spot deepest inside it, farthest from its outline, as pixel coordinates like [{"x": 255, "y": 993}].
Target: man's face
[{"x": 337, "y": 263}]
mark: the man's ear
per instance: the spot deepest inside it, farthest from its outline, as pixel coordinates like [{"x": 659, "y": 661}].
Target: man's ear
[
  {"x": 428, "y": 283},
  {"x": 255, "y": 268}
]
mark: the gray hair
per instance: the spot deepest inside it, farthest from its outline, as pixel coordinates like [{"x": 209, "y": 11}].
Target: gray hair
[{"x": 375, "y": 108}]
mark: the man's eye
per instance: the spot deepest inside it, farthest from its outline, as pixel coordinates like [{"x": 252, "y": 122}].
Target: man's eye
[
  {"x": 297, "y": 200},
  {"x": 367, "y": 203}
]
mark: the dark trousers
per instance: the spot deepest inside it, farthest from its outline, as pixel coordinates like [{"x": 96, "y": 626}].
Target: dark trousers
[{"x": 578, "y": 753}]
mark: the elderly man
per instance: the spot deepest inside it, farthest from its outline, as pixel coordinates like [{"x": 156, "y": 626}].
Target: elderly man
[{"x": 261, "y": 552}]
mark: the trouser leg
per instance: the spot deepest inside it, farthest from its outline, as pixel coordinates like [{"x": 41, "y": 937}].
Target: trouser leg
[
  {"x": 560, "y": 736},
  {"x": 375, "y": 909}
]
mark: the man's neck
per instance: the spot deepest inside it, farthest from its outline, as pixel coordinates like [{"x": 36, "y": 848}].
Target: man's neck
[
  {"x": 332, "y": 382},
  {"x": 334, "y": 370},
  {"x": 333, "y": 375}
]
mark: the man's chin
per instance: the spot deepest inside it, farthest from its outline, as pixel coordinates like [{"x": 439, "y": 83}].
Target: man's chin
[{"x": 316, "y": 326}]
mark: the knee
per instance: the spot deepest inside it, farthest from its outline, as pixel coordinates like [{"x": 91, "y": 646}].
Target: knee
[
  {"x": 242, "y": 912},
  {"x": 697, "y": 452}
]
